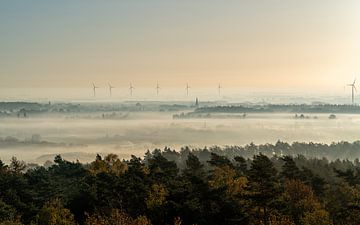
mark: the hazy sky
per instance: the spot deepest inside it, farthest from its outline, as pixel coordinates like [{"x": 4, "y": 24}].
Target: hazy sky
[{"x": 307, "y": 44}]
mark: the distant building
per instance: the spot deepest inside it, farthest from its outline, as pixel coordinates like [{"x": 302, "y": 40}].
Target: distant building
[{"x": 197, "y": 102}]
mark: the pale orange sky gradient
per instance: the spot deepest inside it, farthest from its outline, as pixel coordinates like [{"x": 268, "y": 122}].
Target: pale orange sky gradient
[{"x": 261, "y": 44}]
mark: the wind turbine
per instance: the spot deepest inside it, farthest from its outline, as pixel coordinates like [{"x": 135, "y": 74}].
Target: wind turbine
[
  {"x": 157, "y": 88},
  {"x": 94, "y": 89},
  {"x": 110, "y": 89},
  {"x": 219, "y": 89},
  {"x": 353, "y": 89},
  {"x": 187, "y": 89},
  {"x": 131, "y": 88}
]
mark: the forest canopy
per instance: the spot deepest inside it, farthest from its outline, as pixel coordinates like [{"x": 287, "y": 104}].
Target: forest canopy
[{"x": 169, "y": 187}]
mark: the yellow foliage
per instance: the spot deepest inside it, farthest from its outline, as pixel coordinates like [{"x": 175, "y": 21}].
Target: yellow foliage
[
  {"x": 117, "y": 217},
  {"x": 237, "y": 186},
  {"x": 300, "y": 196},
  {"x": 303, "y": 200},
  {"x": 222, "y": 176},
  {"x": 110, "y": 164},
  {"x": 226, "y": 176},
  {"x": 274, "y": 219},
  {"x": 98, "y": 166},
  {"x": 317, "y": 217},
  {"x": 177, "y": 221},
  {"x": 156, "y": 196},
  {"x": 53, "y": 213},
  {"x": 142, "y": 220},
  {"x": 15, "y": 221},
  {"x": 280, "y": 220}
]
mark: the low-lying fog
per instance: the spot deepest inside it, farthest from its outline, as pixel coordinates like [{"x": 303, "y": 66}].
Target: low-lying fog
[{"x": 81, "y": 136}]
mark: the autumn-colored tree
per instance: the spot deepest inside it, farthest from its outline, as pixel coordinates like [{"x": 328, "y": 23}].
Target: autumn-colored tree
[
  {"x": 98, "y": 166},
  {"x": 54, "y": 213},
  {"x": 110, "y": 164},
  {"x": 303, "y": 204},
  {"x": 316, "y": 217},
  {"x": 15, "y": 221},
  {"x": 200, "y": 186},
  {"x": 115, "y": 165},
  {"x": 157, "y": 196},
  {"x": 156, "y": 201},
  {"x": 226, "y": 177},
  {"x": 300, "y": 198},
  {"x": 142, "y": 220},
  {"x": 280, "y": 220},
  {"x": 276, "y": 219},
  {"x": 116, "y": 217},
  {"x": 177, "y": 221}
]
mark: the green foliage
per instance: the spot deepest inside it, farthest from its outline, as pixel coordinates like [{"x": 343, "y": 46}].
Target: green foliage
[
  {"x": 343, "y": 203},
  {"x": 241, "y": 165},
  {"x": 289, "y": 169},
  {"x": 351, "y": 176},
  {"x": 263, "y": 187},
  {"x": 217, "y": 160},
  {"x": 17, "y": 166},
  {"x": 7, "y": 212},
  {"x": 202, "y": 186}
]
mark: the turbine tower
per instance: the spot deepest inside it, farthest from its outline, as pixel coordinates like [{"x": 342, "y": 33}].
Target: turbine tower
[
  {"x": 219, "y": 89},
  {"x": 110, "y": 89},
  {"x": 131, "y": 88},
  {"x": 187, "y": 89},
  {"x": 353, "y": 89},
  {"x": 94, "y": 89},
  {"x": 157, "y": 88}
]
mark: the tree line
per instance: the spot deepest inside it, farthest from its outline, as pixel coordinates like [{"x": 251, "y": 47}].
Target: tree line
[
  {"x": 186, "y": 187},
  {"x": 289, "y": 108}
]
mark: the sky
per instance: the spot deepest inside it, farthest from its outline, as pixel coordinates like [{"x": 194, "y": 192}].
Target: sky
[{"x": 268, "y": 44}]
